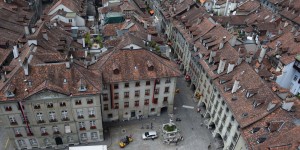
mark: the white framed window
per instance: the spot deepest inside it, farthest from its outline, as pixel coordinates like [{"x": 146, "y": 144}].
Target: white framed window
[
  {"x": 81, "y": 125},
  {"x": 93, "y": 123},
  {"x": 55, "y": 129},
  {"x": 43, "y": 130},
  {"x": 39, "y": 116},
  {"x": 33, "y": 142},
  {"x": 12, "y": 119},
  {"x": 94, "y": 135},
  {"x": 22, "y": 143},
  {"x": 91, "y": 111},
  {"x": 70, "y": 139},
  {"x": 79, "y": 112},
  {"x": 64, "y": 114},
  {"x": 83, "y": 136},
  {"x": 17, "y": 131},
  {"x": 52, "y": 115}
]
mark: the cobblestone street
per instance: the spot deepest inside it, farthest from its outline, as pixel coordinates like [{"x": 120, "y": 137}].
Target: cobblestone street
[{"x": 196, "y": 137}]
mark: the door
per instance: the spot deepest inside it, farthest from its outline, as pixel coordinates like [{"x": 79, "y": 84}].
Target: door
[
  {"x": 58, "y": 141},
  {"x": 133, "y": 114}
]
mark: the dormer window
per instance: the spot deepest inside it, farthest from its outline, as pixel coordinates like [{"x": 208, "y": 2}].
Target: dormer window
[
  {"x": 10, "y": 91},
  {"x": 150, "y": 65},
  {"x": 82, "y": 85},
  {"x": 261, "y": 140},
  {"x": 251, "y": 92},
  {"x": 116, "y": 68},
  {"x": 255, "y": 130},
  {"x": 256, "y": 103}
]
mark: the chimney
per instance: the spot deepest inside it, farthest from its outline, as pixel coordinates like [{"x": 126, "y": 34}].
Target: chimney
[
  {"x": 3, "y": 76},
  {"x": 297, "y": 33},
  {"x": 145, "y": 25},
  {"x": 233, "y": 39},
  {"x": 83, "y": 42},
  {"x": 222, "y": 64},
  {"x": 293, "y": 29},
  {"x": 222, "y": 43},
  {"x": 262, "y": 53},
  {"x": 26, "y": 28},
  {"x": 55, "y": 24},
  {"x": 16, "y": 51},
  {"x": 198, "y": 20},
  {"x": 280, "y": 31},
  {"x": 230, "y": 67},
  {"x": 212, "y": 54},
  {"x": 45, "y": 35},
  {"x": 33, "y": 29},
  {"x": 25, "y": 67},
  {"x": 235, "y": 85},
  {"x": 68, "y": 65},
  {"x": 240, "y": 59},
  {"x": 149, "y": 37},
  {"x": 71, "y": 57}
]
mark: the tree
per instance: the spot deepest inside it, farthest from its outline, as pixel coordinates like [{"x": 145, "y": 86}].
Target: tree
[
  {"x": 87, "y": 40},
  {"x": 99, "y": 41}
]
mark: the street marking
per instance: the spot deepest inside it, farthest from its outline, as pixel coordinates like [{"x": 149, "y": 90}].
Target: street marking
[
  {"x": 189, "y": 107},
  {"x": 6, "y": 143}
]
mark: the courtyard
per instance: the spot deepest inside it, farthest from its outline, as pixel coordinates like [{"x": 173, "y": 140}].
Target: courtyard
[{"x": 196, "y": 136}]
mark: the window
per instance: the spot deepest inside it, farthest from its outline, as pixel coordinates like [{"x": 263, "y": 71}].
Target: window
[
  {"x": 109, "y": 115},
  {"x": 83, "y": 136},
  {"x": 52, "y": 116},
  {"x": 126, "y": 85},
  {"x": 156, "y": 91},
  {"x": 147, "y": 92},
  {"x": 37, "y": 106},
  {"x": 18, "y": 133},
  {"x": 64, "y": 115},
  {"x": 69, "y": 139},
  {"x": 91, "y": 112},
  {"x": 166, "y": 89},
  {"x": 137, "y": 93},
  {"x": 116, "y": 95},
  {"x": 235, "y": 137},
  {"x": 44, "y": 131},
  {"x": 105, "y": 106},
  {"x": 89, "y": 101},
  {"x": 93, "y": 124},
  {"x": 12, "y": 120},
  {"x": 146, "y": 102},
  {"x": 116, "y": 105},
  {"x": 157, "y": 81},
  {"x": 126, "y": 94},
  {"x": 94, "y": 135},
  {"x": 295, "y": 78},
  {"x": 116, "y": 86},
  {"x": 168, "y": 80},
  {"x": 70, "y": 20},
  {"x": 104, "y": 87},
  {"x": 136, "y": 103},
  {"x": 147, "y": 83},
  {"x": 152, "y": 109},
  {"x": 55, "y": 130},
  {"x": 77, "y": 102},
  {"x": 137, "y": 84},
  {"x": 229, "y": 127},
  {"x": 80, "y": 114},
  {"x": 155, "y": 100},
  {"x": 126, "y": 104},
  {"x": 40, "y": 118},
  {"x": 8, "y": 108},
  {"x": 105, "y": 97},
  {"x": 62, "y": 104},
  {"x": 50, "y": 105},
  {"x": 81, "y": 126},
  {"x": 22, "y": 143},
  {"x": 165, "y": 99}
]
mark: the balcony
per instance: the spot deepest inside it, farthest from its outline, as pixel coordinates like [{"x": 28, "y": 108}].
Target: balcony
[
  {"x": 93, "y": 127},
  {"x": 80, "y": 117},
  {"x": 45, "y": 134},
  {"x": 65, "y": 119},
  {"x": 91, "y": 115},
  {"x": 53, "y": 120},
  {"x": 82, "y": 128},
  {"x": 41, "y": 121},
  {"x": 37, "y": 107},
  {"x": 19, "y": 135}
]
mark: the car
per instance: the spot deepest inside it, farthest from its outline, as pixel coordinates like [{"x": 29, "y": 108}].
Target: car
[
  {"x": 125, "y": 141},
  {"x": 149, "y": 135}
]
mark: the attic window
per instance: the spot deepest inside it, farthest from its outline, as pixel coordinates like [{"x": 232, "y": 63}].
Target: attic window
[
  {"x": 256, "y": 103},
  {"x": 261, "y": 140},
  {"x": 256, "y": 129},
  {"x": 10, "y": 91},
  {"x": 251, "y": 92},
  {"x": 82, "y": 86},
  {"x": 115, "y": 68},
  {"x": 150, "y": 66}
]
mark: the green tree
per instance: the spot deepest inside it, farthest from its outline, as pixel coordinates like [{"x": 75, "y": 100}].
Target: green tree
[{"x": 87, "y": 40}]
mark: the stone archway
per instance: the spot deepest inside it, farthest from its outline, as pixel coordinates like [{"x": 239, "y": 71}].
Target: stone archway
[{"x": 58, "y": 141}]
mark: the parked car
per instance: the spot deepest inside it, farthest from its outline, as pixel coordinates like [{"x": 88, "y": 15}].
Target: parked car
[
  {"x": 125, "y": 141},
  {"x": 149, "y": 135}
]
